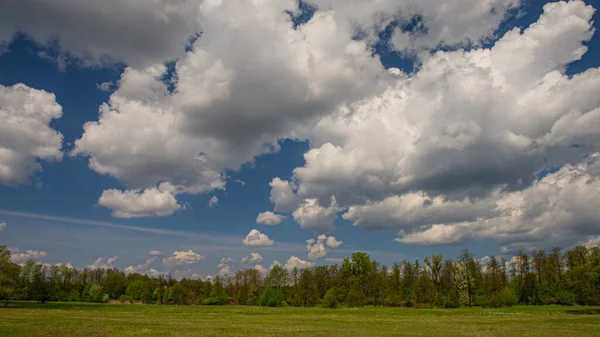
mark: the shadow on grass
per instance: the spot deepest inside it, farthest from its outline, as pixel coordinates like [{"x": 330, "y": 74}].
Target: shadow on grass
[
  {"x": 584, "y": 312},
  {"x": 47, "y": 305}
]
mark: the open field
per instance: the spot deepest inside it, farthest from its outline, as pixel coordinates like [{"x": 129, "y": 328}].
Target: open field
[{"x": 68, "y": 319}]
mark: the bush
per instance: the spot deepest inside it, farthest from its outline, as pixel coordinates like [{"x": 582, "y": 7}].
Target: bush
[
  {"x": 482, "y": 301},
  {"x": 447, "y": 302},
  {"x": 503, "y": 298},
  {"x": 565, "y": 298},
  {"x": 393, "y": 300},
  {"x": 74, "y": 296},
  {"x": 330, "y": 300},
  {"x": 271, "y": 298},
  {"x": 355, "y": 297},
  {"x": 231, "y": 301},
  {"x": 218, "y": 300},
  {"x": 95, "y": 293}
]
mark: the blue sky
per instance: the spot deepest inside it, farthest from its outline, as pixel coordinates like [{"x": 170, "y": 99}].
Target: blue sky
[{"x": 57, "y": 213}]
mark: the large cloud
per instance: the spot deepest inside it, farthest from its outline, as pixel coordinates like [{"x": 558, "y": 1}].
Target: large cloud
[
  {"x": 313, "y": 216},
  {"x": 138, "y": 33},
  {"x": 141, "y": 34},
  {"x": 559, "y": 209},
  {"x": 136, "y": 203},
  {"x": 250, "y": 80},
  {"x": 25, "y": 115},
  {"x": 443, "y": 147},
  {"x": 457, "y": 125},
  {"x": 283, "y": 195},
  {"x": 456, "y": 22},
  {"x": 450, "y": 143},
  {"x": 424, "y": 24},
  {"x": 417, "y": 209}
]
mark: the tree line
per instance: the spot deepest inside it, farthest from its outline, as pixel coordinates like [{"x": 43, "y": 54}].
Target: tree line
[{"x": 535, "y": 278}]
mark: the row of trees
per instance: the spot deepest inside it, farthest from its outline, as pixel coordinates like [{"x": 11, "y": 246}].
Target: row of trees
[{"x": 568, "y": 278}]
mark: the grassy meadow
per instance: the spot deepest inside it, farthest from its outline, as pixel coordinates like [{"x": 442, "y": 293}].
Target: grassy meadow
[{"x": 70, "y": 319}]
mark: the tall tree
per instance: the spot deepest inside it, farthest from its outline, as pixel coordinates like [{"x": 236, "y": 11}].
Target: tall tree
[{"x": 466, "y": 259}]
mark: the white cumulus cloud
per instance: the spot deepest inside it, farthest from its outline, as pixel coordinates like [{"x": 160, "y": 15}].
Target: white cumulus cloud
[
  {"x": 311, "y": 215},
  {"x": 447, "y": 147},
  {"x": 144, "y": 268},
  {"x": 139, "y": 203},
  {"x": 103, "y": 263},
  {"x": 318, "y": 248},
  {"x": 269, "y": 218},
  {"x": 140, "y": 33},
  {"x": 253, "y": 258},
  {"x": 559, "y": 209},
  {"x": 257, "y": 239},
  {"x": 226, "y": 259},
  {"x": 222, "y": 113},
  {"x": 25, "y": 116},
  {"x": 21, "y": 257},
  {"x": 295, "y": 262},
  {"x": 182, "y": 257}
]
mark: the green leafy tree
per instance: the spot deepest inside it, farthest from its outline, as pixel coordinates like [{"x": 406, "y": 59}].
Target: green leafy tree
[
  {"x": 9, "y": 275},
  {"x": 330, "y": 300}
]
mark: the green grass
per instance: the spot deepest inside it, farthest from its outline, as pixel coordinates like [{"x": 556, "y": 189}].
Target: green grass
[{"x": 69, "y": 319}]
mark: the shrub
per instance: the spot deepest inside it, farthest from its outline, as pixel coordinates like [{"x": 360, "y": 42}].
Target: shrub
[
  {"x": 330, "y": 300},
  {"x": 74, "y": 296},
  {"x": 481, "y": 300},
  {"x": 231, "y": 301},
  {"x": 503, "y": 298},
  {"x": 95, "y": 293},
  {"x": 217, "y": 300},
  {"x": 271, "y": 298},
  {"x": 393, "y": 300},
  {"x": 565, "y": 298},
  {"x": 447, "y": 302}
]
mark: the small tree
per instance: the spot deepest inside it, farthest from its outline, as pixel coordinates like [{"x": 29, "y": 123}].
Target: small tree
[
  {"x": 330, "y": 300},
  {"x": 356, "y": 296},
  {"x": 271, "y": 298},
  {"x": 9, "y": 273},
  {"x": 252, "y": 295},
  {"x": 95, "y": 293},
  {"x": 39, "y": 284}
]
